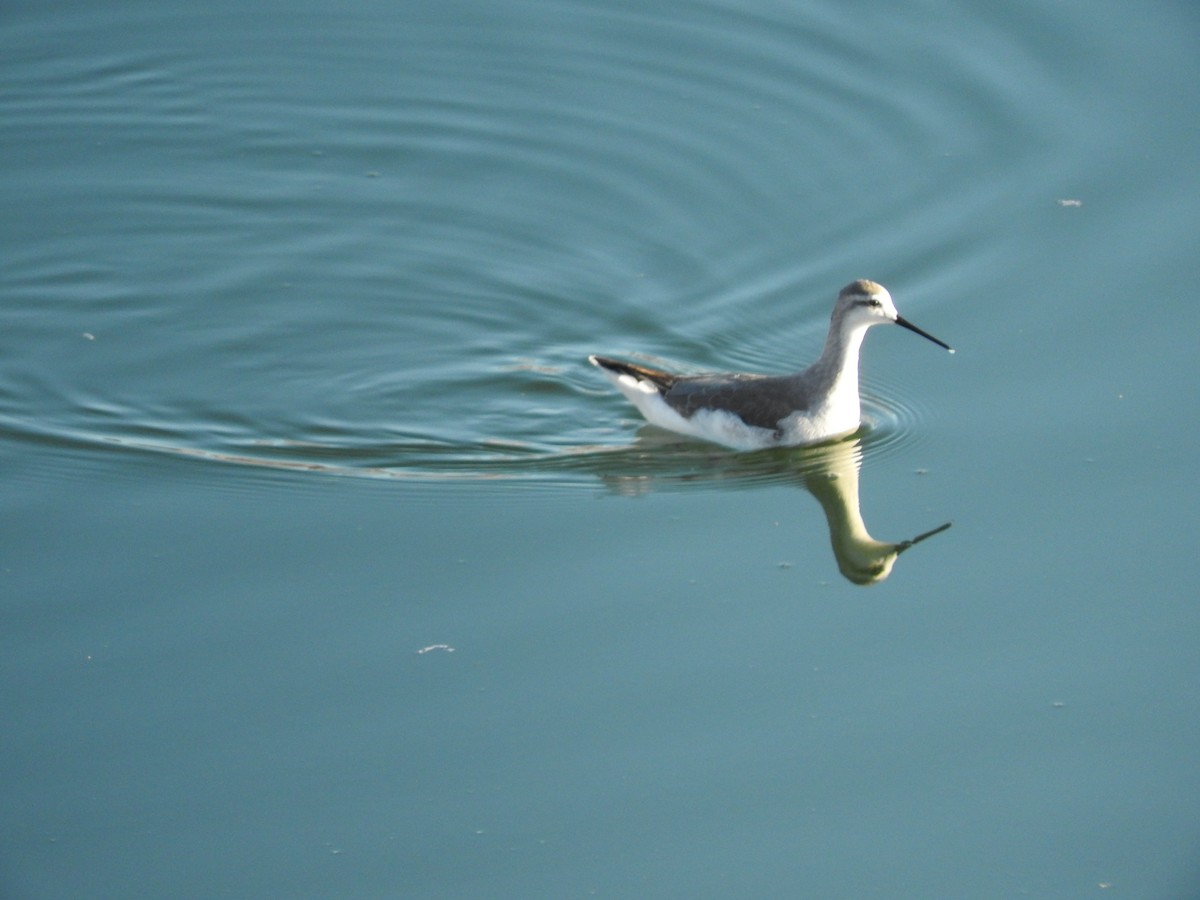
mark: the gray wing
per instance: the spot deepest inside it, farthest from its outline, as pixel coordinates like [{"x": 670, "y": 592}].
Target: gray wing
[{"x": 759, "y": 400}]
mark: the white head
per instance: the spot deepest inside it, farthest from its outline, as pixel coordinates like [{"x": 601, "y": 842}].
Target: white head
[{"x": 863, "y": 303}]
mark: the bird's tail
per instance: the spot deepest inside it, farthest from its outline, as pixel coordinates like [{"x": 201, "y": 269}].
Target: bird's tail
[{"x": 662, "y": 380}]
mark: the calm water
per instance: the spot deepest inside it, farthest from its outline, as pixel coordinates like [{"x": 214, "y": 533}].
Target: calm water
[{"x": 330, "y": 569}]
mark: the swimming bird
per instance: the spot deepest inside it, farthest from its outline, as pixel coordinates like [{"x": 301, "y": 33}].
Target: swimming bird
[{"x": 748, "y": 412}]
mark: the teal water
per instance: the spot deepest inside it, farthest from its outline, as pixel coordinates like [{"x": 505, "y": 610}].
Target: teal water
[{"x": 330, "y": 568}]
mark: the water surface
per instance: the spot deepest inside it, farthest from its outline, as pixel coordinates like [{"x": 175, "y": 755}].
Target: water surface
[{"x": 332, "y": 569}]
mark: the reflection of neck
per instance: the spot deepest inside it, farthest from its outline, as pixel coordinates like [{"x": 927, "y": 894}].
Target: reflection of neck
[{"x": 860, "y": 557}]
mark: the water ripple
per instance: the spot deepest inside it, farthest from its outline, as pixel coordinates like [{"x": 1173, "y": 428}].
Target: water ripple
[{"x": 404, "y": 275}]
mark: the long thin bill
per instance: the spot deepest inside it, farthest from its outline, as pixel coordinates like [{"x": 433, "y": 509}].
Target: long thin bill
[
  {"x": 904, "y": 545},
  {"x": 904, "y": 323}
]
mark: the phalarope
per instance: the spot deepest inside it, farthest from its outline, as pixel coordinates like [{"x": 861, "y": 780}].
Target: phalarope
[{"x": 748, "y": 412}]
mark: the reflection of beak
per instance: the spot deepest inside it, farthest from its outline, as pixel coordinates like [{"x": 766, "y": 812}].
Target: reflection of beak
[
  {"x": 904, "y": 323},
  {"x": 904, "y": 545}
]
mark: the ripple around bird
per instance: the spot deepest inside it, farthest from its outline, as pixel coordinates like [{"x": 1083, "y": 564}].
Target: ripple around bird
[{"x": 407, "y": 281}]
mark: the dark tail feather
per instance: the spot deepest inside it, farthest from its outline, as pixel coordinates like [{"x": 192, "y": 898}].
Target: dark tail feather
[{"x": 663, "y": 380}]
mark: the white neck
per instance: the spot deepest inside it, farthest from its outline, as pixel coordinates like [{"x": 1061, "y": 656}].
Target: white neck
[{"x": 836, "y": 372}]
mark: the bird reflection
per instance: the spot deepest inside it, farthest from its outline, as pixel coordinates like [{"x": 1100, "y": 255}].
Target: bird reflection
[
  {"x": 860, "y": 558},
  {"x": 830, "y": 472}
]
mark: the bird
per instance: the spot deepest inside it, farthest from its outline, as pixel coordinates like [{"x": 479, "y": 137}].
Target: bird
[{"x": 745, "y": 411}]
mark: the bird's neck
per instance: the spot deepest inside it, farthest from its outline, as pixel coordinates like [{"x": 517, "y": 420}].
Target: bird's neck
[{"x": 836, "y": 372}]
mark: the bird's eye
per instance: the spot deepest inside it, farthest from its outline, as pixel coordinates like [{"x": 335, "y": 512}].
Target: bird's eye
[{"x": 875, "y": 303}]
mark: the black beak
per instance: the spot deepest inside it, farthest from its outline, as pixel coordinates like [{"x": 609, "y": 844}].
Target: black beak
[
  {"x": 904, "y": 545},
  {"x": 904, "y": 323}
]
